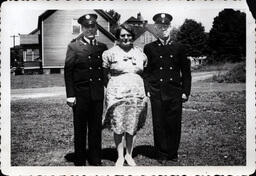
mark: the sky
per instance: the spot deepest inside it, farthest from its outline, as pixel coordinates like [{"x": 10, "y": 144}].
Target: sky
[{"x": 23, "y": 21}]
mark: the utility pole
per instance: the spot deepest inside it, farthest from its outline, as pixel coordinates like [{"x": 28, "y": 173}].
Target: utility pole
[{"x": 13, "y": 36}]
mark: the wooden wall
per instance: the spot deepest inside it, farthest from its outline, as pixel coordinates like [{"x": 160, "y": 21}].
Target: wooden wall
[
  {"x": 57, "y": 33},
  {"x": 29, "y": 39}
]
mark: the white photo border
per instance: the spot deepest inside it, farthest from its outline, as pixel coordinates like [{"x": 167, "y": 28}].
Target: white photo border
[{"x": 139, "y": 170}]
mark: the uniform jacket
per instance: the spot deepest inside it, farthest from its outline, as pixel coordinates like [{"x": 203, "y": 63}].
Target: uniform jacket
[
  {"x": 167, "y": 74},
  {"x": 83, "y": 69}
]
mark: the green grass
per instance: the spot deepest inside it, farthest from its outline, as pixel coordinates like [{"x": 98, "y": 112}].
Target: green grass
[
  {"x": 57, "y": 80},
  {"x": 37, "y": 81},
  {"x": 215, "y": 67},
  {"x": 235, "y": 75},
  {"x": 213, "y": 130}
]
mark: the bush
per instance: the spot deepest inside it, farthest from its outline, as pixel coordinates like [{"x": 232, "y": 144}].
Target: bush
[{"x": 236, "y": 75}]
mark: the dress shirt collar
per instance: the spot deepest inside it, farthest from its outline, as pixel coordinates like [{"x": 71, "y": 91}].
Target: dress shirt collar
[
  {"x": 88, "y": 40},
  {"x": 165, "y": 42}
]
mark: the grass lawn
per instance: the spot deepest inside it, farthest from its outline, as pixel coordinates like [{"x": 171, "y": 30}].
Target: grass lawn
[
  {"x": 213, "y": 130},
  {"x": 57, "y": 80},
  {"x": 37, "y": 81},
  {"x": 215, "y": 67}
]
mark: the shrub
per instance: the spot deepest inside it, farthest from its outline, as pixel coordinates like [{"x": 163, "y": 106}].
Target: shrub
[{"x": 236, "y": 75}]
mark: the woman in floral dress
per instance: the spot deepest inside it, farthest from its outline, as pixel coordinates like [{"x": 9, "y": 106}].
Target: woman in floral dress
[{"x": 125, "y": 101}]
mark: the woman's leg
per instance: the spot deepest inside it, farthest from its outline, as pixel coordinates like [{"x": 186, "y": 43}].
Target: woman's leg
[
  {"x": 118, "y": 138},
  {"x": 129, "y": 147}
]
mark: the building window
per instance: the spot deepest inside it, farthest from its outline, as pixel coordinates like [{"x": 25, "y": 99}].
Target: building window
[
  {"x": 31, "y": 55},
  {"x": 76, "y": 28}
]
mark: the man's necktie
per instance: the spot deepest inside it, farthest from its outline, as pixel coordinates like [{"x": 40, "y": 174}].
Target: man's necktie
[{"x": 91, "y": 42}]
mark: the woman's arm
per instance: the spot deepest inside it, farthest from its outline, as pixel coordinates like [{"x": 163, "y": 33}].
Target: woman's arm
[{"x": 106, "y": 68}]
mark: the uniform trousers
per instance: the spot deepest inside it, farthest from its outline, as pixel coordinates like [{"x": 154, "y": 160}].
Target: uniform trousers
[
  {"x": 87, "y": 119},
  {"x": 167, "y": 125}
]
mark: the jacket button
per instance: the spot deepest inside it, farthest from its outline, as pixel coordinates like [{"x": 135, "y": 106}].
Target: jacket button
[
  {"x": 98, "y": 56},
  {"x": 161, "y": 56},
  {"x": 99, "y": 79},
  {"x": 170, "y": 79},
  {"x": 91, "y": 79},
  {"x": 171, "y": 56},
  {"x": 170, "y": 68},
  {"x": 161, "y": 80},
  {"x": 89, "y": 57},
  {"x": 99, "y": 68},
  {"x": 161, "y": 68},
  {"x": 90, "y": 68},
  {"x": 159, "y": 44}
]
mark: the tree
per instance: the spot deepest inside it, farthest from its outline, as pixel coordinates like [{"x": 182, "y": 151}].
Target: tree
[
  {"x": 192, "y": 34},
  {"x": 173, "y": 34},
  {"x": 114, "y": 23},
  {"x": 227, "y": 38},
  {"x": 116, "y": 16}
]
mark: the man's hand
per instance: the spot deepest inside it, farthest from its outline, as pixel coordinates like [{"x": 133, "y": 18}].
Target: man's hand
[
  {"x": 71, "y": 101},
  {"x": 148, "y": 94},
  {"x": 184, "y": 98}
]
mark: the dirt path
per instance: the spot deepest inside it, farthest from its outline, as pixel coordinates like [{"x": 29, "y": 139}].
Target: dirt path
[
  {"x": 198, "y": 76},
  {"x": 17, "y": 94}
]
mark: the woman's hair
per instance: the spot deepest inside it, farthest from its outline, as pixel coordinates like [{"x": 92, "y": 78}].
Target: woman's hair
[{"x": 126, "y": 27}]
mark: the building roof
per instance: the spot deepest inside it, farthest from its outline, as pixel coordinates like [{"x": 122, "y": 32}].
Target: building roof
[
  {"x": 44, "y": 16},
  {"x": 106, "y": 16},
  {"x": 134, "y": 20},
  {"x": 139, "y": 30},
  {"x": 108, "y": 34},
  {"x": 34, "y": 31},
  {"x": 30, "y": 39}
]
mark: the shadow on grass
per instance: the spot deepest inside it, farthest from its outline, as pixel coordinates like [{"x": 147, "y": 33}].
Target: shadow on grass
[
  {"x": 109, "y": 154},
  {"x": 144, "y": 150}
]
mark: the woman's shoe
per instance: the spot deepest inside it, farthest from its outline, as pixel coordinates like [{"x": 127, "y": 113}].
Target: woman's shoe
[
  {"x": 120, "y": 161},
  {"x": 130, "y": 161}
]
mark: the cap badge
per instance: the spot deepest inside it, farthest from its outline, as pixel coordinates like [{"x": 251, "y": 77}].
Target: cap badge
[
  {"x": 162, "y": 15},
  {"x": 87, "y": 17}
]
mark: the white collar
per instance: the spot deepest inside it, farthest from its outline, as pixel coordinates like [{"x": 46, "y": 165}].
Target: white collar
[
  {"x": 88, "y": 40},
  {"x": 167, "y": 41}
]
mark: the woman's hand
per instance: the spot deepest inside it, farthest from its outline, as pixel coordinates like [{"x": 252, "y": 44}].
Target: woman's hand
[
  {"x": 184, "y": 98},
  {"x": 71, "y": 101}
]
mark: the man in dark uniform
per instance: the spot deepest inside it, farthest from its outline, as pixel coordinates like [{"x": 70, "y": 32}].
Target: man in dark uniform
[
  {"x": 168, "y": 83},
  {"x": 85, "y": 91}
]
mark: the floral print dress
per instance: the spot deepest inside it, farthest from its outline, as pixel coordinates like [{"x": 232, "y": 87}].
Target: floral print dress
[{"x": 125, "y": 99}]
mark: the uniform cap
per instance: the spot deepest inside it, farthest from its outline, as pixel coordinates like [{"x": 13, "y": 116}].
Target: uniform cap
[
  {"x": 88, "y": 20},
  {"x": 162, "y": 18}
]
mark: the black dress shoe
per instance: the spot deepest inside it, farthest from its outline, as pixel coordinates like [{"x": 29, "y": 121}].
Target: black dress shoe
[
  {"x": 173, "y": 158},
  {"x": 95, "y": 163},
  {"x": 71, "y": 157},
  {"x": 162, "y": 159},
  {"x": 80, "y": 163}
]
